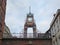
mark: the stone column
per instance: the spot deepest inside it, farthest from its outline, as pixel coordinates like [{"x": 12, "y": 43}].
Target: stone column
[
  {"x": 25, "y": 32},
  {"x": 34, "y": 32}
]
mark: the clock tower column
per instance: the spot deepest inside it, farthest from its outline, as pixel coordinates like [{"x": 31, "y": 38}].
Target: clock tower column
[{"x": 30, "y": 23}]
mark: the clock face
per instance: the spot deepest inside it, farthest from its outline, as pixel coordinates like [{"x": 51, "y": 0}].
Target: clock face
[{"x": 30, "y": 19}]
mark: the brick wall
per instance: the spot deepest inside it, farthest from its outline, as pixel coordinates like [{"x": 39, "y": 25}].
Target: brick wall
[
  {"x": 30, "y": 41},
  {"x": 2, "y": 15},
  {"x": 2, "y": 18}
]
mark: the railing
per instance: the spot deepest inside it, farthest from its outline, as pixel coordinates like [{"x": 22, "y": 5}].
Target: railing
[{"x": 22, "y": 35}]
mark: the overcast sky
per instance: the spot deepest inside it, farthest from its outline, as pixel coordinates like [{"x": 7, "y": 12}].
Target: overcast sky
[{"x": 43, "y": 10}]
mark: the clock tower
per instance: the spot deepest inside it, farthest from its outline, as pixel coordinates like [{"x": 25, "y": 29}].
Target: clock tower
[{"x": 30, "y": 23}]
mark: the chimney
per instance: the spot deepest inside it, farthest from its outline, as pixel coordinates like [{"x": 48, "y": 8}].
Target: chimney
[{"x": 54, "y": 15}]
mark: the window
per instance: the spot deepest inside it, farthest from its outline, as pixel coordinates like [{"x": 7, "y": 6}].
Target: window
[
  {"x": 52, "y": 31},
  {"x": 30, "y": 42},
  {"x": 53, "y": 42},
  {"x": 54, "y": 25},
  {"x": 59, "y": 37},
  {"x": 49, "y": 32},
  {"x": 0, "y": 26},
  {"x": 0, "y": 22},
  {"x": 56, "y": 20}
]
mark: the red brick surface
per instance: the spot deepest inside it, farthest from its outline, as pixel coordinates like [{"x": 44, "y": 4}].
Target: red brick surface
[
  {"x": 27, "y": 42},
  {"x": 2, "y": 18}
]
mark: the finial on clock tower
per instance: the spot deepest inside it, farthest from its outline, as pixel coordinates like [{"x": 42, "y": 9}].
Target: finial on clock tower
[{"x": 29, "y": 9}]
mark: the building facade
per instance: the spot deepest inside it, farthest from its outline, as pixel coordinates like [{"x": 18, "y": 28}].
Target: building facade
[
  {"x": 26, "y": 41},
  {"x": 2, "y": 16},
  {"x": 55, "y": 28},
  {"x": 48, "y": 33},
  {"x": 17, "y": 41},
  {"x": 7, "y": 33}
]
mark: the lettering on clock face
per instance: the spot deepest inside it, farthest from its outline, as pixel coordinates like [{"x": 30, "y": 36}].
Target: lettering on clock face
[{"x": 30, "y": 19}]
